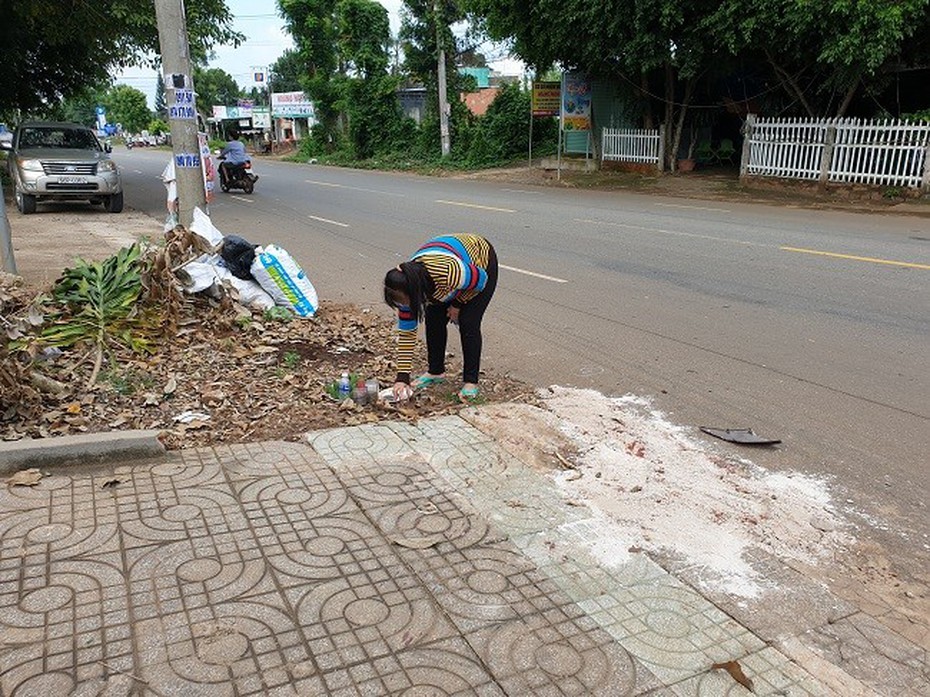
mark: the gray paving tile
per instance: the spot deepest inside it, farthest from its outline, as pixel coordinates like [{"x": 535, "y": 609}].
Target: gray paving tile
[
  {"x": 357, "y": 444},
  {"x": 869, "y": 651},
  {"x": 374, "y": 484},
  {"x": 446, "y": 667},
  {"x": 670, "y": 628},
  {"x": 243, "y": 647},
  {"x": 59, "y": 626},
  {"x": 559, "y": 652},
  {"x": 771, "y": 673},
  {"x": 566, "y": 555},
  {"x": 364, "y": 617},
  {"x": 812, "y": 603}
]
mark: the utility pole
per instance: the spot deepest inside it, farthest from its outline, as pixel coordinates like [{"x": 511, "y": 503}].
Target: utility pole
[
  {"x": 182, "y": 107},
  {"x": 7, "y": 262},
  {"x": 441, "y": 78}
]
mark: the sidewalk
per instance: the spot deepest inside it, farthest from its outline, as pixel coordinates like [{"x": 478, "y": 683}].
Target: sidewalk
[{"x": 386, "y": 559}]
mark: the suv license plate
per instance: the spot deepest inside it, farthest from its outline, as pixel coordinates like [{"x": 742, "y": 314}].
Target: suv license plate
[{"x": 72, "y": 180}]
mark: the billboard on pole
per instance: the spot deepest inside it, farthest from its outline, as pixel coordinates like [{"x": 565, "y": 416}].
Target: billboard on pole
[
  {"x": 576, "y": 102},
  {"x": 546, "y": 98}
]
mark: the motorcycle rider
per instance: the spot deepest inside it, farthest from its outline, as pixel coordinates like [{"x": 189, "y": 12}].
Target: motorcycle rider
[{"x": 232, "y": 156}]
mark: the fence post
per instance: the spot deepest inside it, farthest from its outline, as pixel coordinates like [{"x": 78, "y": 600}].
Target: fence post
[
  {"x": 661, "y": 163},
  {"x": 925, "y": 179},
  {"x": 748, "y": 128},
  {"x": 826, "y": 157}
]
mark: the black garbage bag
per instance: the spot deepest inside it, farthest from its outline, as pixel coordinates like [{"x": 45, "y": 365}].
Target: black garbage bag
[{"x": 238, "y": 255}]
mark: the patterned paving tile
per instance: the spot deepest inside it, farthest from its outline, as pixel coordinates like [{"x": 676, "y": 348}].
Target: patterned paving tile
[
  {"x": 364, "y": 617},
  {"x": 485, "y": 585},
  {"x": 446, "y": 667},
  {"x": 559, "y": 652},
  {"x": 358, "y": 444},
  {"x": 60, "y": 624},
  {"x": 243, "y": 647},
  {"x": 670, "y": 628},
  {"x": 864, "y": 647},
  {"x": 567, "y": 555},
  {"x": 771, "y": 673}
]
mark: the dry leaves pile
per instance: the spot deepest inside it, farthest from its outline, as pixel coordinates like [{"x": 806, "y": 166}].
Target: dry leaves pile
[{"x": 220, "y": 374}]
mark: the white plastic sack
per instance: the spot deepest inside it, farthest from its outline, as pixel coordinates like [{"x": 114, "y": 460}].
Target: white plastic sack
[
  {"x": 251, "y": 294},
  {"x": 203, "y": 227},
  {"x": 284, "y": 280}
]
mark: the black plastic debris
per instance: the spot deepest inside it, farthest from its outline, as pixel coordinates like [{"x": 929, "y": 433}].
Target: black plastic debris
[
  {"x": 238, "y": 254},
  {"x": 743, "y": 436}
]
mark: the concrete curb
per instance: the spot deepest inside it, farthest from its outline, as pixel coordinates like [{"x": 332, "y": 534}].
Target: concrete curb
[{"x": 95, "y": 448}]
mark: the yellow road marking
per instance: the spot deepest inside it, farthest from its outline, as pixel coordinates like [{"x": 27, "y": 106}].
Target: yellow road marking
[
  {"x": 907, "y": 264},
  {"x": 475, "y": 205}
]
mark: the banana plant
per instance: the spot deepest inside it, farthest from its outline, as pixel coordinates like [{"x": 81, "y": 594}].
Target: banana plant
[{"x": 100, "y": 305}]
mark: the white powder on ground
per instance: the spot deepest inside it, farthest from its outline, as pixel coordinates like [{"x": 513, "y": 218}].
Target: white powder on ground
[{"x": 664, "y": 490}]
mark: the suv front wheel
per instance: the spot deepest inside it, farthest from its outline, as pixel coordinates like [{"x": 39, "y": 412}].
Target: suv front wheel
[
  {"x": 25, "y": 203},
  {"x": 114, "y": 203}
]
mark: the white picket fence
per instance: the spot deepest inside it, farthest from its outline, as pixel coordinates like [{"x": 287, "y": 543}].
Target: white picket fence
[
  {"x": 632, "y": 145},
  {"x": 885, "y": 152}
]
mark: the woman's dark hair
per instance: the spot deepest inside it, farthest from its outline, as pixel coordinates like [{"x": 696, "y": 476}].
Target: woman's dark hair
[
  {"x": 413, "y": 280},
  {"x": 233, "y": 134}
]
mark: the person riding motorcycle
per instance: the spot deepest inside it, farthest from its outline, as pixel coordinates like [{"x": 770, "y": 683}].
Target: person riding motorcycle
[{"x": 233, "y": 155}]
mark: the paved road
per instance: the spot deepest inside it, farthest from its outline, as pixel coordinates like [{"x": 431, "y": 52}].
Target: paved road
[{"x": 809, "y": 326}]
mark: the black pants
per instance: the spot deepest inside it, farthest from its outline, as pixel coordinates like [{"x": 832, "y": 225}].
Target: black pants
[{"x": 469, "y": 327}]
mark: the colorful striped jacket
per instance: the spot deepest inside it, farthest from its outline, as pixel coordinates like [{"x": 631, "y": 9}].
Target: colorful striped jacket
[{"x": 458, "y": 265}]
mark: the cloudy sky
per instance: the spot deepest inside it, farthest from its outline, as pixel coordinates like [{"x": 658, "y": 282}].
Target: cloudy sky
[{"x": 265, "y": 41}]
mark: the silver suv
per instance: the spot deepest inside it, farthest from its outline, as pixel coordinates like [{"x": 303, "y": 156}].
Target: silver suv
[{"x": 62, "y": 161}]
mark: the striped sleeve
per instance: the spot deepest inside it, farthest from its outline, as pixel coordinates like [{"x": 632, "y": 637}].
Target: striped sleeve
[{"x": 406, "y": 343}]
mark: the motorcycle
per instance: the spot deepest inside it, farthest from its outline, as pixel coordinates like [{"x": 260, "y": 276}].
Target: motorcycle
[{"x": 237, "y": 177}]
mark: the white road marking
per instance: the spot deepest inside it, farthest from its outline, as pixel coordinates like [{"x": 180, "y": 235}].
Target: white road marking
[
  {"x": 241, "y": 198},
  {"x": 139, "y": 171},
  {"x": 327, "y": 220},
  {"x": 694, "y": 208},
  {"x": 353, "y": 188},
  {"x": 475, "y": 205},
  {"x": 534, "y": 274},
  {"x": 524, "y": 191}
]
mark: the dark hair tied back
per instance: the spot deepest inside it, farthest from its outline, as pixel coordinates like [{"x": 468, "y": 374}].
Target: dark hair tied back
[{"x": 413, "y": 280}]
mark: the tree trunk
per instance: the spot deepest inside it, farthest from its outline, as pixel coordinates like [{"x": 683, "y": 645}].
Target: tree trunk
[
  {"x": 647, "y": 101},
  {"x": 847, "y": 100},
  {"x": 789, "y": 84},
  {"x": 683, "y": 110},
  {"x": 671, "y": 154}
]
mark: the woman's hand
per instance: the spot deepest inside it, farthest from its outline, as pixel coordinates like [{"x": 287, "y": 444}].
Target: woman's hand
[
  {"x": 453, "y": 314},
  {"x": 402, "y": 391}
]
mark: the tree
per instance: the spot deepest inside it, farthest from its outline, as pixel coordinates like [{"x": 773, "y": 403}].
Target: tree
[
  {"x": 51, "y": 50},
  {"x": 161, "y": 105},
  {"x": 343, "y": 52},
  {"x": 214, "y": 86},
  {"x": 127, "y": 106},
  {"x": 287, "y": 72}
]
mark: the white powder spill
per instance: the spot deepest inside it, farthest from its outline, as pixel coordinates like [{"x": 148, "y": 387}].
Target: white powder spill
[{"x": 661, "y": 489}]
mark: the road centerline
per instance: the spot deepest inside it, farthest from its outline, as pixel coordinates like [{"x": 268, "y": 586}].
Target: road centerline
[
  {"x": 677, "y": 233},
  {"x": 475, "y": 205},
  {"x": 241, "y": 198},
  {"x": 353, "y": 188},
  {"x": 853, "y": 257},
  {"x": 693, "y": 208}
]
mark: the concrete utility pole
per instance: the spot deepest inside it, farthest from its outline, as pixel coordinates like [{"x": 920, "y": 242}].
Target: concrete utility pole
[
  {"x": 182, "y": 109},
  {"x": 6, "y": 238},
  {"x": 441, "y": 78}
]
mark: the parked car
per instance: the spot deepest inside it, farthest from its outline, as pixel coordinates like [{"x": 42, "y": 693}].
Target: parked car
[
  {"x": 62, "y": 161},
  {"x": 6, "y": 135}
]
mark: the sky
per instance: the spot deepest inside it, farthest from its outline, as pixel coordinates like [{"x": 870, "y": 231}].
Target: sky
[{"x": 265, "y": 41}]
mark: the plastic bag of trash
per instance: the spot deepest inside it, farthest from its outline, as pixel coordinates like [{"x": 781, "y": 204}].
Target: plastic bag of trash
[
  {"x": 203, "y": 227},
  {"x": 238, "y": 254},
  {"x": 251, "y": 294},
  {"x": 283, "y": 279}
]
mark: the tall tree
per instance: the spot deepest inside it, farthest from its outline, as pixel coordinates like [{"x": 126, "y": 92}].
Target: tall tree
[
  {"x": 288, "y": 72},
  {"x": 50, "y": 49},
  {"x": 214, "y": 86},
  {"x": 127, "y": 106},
  {"x": 161, "y": 105}
]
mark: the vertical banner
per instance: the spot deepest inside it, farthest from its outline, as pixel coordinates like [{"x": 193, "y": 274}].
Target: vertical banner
[{"x": 576, "y": 102}]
